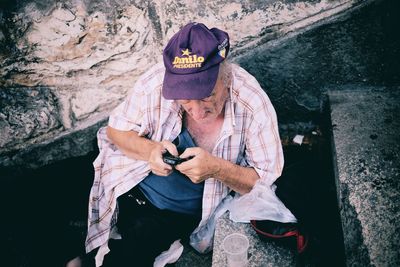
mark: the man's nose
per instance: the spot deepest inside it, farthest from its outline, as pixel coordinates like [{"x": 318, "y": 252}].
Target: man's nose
[{"x": 195, "y": 109}]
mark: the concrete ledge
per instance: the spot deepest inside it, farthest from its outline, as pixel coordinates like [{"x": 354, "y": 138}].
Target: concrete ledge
[
  {"x": 366, "y": 139},
  {"x": 190, "y": 258}
]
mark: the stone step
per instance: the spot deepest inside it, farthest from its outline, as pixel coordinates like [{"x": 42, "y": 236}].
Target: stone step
[{"x": 367, "y": 144}]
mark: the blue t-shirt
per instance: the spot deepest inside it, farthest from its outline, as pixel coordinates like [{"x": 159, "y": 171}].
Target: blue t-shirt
[{"x": 176, "y": 191}]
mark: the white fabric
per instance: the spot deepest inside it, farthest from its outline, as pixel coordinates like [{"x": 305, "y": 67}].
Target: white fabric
[{"x": 169, "y": 256}]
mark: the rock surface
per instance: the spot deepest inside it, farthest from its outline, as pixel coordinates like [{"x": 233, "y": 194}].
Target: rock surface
[{"x": 27, "y": 113}]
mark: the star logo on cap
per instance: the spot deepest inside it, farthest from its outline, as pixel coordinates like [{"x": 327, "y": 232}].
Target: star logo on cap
[
  {"x": 186, "y": 52},
  {"x": 222, "y": 53}
]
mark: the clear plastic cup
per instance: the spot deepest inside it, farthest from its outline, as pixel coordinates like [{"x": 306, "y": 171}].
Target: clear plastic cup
[{"x": 235, "y": 247}]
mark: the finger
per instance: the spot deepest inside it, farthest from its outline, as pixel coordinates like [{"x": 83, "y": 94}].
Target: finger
[
  {"x": 186, "y": 166},
  {"x": 170, "y": 147},
  {"x": 159, "y": 165},
  {"x": 164, "y": 166},
  {"x": 180, "y": 168},
  {"x": 163, "y": 171},
  {"x": 190, "y": 152}
]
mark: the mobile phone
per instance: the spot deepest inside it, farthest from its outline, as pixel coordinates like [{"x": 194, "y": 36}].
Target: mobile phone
[{"x": 173, "y": 160}]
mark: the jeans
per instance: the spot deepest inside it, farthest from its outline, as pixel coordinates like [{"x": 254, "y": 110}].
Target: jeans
[{"x": 146, "y": 231}]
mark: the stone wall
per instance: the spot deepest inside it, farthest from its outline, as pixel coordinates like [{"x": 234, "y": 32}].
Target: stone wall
[{"x": 64, "y": 66}]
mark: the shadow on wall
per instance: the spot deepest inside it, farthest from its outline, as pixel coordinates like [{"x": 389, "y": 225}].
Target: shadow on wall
[{"x": 364, "y": 49}]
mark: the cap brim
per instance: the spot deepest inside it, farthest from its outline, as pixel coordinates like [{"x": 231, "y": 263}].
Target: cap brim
[{"x": 190, "y": 86}]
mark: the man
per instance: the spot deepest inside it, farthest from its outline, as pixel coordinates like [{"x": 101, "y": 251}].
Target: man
[{"x": 196, "y": 106}]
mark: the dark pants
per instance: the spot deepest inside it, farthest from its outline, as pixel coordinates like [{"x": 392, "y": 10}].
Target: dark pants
[{"x": 146, "y": 231}]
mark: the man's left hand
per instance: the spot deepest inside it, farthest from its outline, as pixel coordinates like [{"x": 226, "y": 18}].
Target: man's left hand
[{"x": 203, "y": 165}]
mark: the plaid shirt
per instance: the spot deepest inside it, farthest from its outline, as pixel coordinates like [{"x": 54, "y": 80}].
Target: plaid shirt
[{"x": 249, "y": 137}]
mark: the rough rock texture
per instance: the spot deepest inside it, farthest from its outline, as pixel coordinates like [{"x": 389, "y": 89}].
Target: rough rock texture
[
  {"x": 27, "y": 113},
  {"x": 89, "y": 53},
  {"x": 365, "y": 134}
]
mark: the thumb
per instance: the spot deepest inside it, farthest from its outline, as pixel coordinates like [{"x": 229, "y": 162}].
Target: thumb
[
  {"x": 190, "y": 152},
  {"x": 170, "y": 147}
]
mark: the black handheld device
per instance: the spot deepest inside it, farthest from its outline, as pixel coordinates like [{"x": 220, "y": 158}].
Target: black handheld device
[{"x": 173, "y": 160}]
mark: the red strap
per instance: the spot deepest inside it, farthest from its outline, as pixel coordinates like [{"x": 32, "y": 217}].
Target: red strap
[{"x": 301, "y": 243}]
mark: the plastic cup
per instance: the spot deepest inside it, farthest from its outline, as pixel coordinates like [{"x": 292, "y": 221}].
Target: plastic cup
[{"x": 235, "y": 247}]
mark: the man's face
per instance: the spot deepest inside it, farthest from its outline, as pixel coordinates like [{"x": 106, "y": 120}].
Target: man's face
[{"x": 208, "y": 109}]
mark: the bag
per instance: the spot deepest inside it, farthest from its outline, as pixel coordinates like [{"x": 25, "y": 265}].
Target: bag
[
  {"x": 260, "y": 203},
  {"x": 203, "y": 238},
  {"x": 287, "y": 234},
  {"x": 293, "y": 189}
]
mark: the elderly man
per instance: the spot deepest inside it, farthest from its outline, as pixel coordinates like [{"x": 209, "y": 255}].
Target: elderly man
[{"x": 197, "y": 107}]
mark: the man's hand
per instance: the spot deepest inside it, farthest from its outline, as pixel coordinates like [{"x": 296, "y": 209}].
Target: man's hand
[
  {"x": 201, "y": 167},
  {"x": 156, "y": 162},
  {"x": 204, "y": 165}
]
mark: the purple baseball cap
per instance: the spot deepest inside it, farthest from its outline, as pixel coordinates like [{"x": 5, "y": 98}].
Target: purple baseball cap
[{"x": 192, "y": 59}]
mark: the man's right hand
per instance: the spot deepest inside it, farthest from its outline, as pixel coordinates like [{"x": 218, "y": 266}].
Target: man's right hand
[
  {"x": 157, "y": 165},
  {"x": 141, "y": 148}
]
